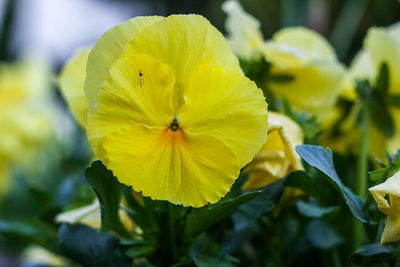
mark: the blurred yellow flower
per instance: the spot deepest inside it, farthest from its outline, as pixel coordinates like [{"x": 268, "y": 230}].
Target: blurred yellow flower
[
  {"x": 296, "y": 51},
  {"x": 277, "y": 157},
  {"x": 25, "y": 123},
  {"x": 171, "y": 113},
  {"x": 310, "y": 60},
  {"x": 380, "y": 45},
  {"x": 72, "y": 82},
  {"x": 245, "y": 37},
  {"x": 391, "y": 207}
]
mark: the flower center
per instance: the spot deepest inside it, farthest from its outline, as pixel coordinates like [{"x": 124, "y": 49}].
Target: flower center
[{"x": 174, "y": 126}]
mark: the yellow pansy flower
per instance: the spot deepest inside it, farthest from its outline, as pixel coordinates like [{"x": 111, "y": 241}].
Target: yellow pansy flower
[
  {"x": 296, "y": 51},
  {"x": 72, "y": 82},
  {"x": 391, "y": 208},
  {"x": 277, "y": 157},
  {"x": 309, "y": 58},
  {"x": 172, "y": 114},
  {"x": 245, "y": 37},
  {"x": 380, "y": 45}
]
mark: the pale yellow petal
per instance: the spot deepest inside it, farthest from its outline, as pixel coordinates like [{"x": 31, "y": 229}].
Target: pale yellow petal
[
  {"x": 245, "y": 36},
  {"x": 258, "y": 179},
  {"x": 315, "y": 88},
  {"x": 88, "y": 215},
  {"x": 139, "y": 91},
  {"x": 391, "y": 188},
  {"x": 310, "y": 42},
  {"x": 277, "y": 157},
  {"x": 295, "y": 46},
  {"x": 180, "y": 167},
  {"x": 107, "y": 49},
  {"x": 394, "y": 31},
  {"x": 72, "y": 82},
  {"x": 283, "y": 55},
  {"x": 228, "y": 106},
  {"x": 361, "y": 68},
  {"x": 382, "y": 47}
]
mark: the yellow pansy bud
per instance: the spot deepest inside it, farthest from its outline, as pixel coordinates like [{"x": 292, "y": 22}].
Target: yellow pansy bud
[
  {"x": 277, "y": 157},
  {"x": 391, "y": 207}
]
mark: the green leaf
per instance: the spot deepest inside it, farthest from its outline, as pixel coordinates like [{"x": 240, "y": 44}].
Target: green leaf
[
  {"x": 108, "y": 191},
  {"x": 381, "y": 175},
  {"x": 139, "y": 251},
  {"x": 203, "y": 218},
  {"x": 382, "y": 118},
  {"x": 364, "y": 89},
  {"x": 312, "y": 210},
  {"x": 280, "y": 78},
  {"x": 287, "y": 108},
  {"x": 29, "y": 230},
  {"x": 218, "y": 260},
  {"x": 308, "y": 124},
  {"x": 300, "y": 179},
  {"x": 137, "y": 248},
  {"x": 322, "y": 235},
  {"x": 377, "y": 174},
  {"x": 383, "y": 79},
  {"x": 372, "y": 254},
  {"x": 393, "y": 100},
  {"x": 321, "y": 159},
  {"x": 88, "y": 247},
  {"x": 265, "y": 201}
]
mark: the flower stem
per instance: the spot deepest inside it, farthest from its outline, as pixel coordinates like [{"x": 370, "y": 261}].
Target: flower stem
[{"x": 362, "y": 171}]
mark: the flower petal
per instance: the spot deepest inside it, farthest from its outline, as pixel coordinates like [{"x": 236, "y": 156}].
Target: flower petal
[
  {"x": 193, "y": 42},
  {"x": 277, "y": 157},
  {"x": 315, "y": 88},
  {"x": 180, "y": 167},
  {"x": 391, "y": 208},
  {"x": 72, "y": 81},
  {"x": 245, "y": 36},
  {"x": 309, "y": 45},
  {"x": 227, "y": 106},
  {"x": 383, "y": 47},
  {"x": 107, "y": 49},
  {"x": 139, "y": 91}
]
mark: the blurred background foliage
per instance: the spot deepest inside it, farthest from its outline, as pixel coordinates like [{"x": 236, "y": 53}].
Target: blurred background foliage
[{"x": 343, "y": 22}]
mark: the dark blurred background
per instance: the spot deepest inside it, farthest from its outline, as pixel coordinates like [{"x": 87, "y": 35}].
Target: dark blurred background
[{"x": 54, "y": 28}]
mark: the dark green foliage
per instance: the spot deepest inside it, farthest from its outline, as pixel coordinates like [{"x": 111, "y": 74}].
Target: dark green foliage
[
  {"x": 88, "y": 247},
  {"x": 370, "y": 254},
  {"x": 321, "y": 159},
  {"x": 108, "y": 191}
]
